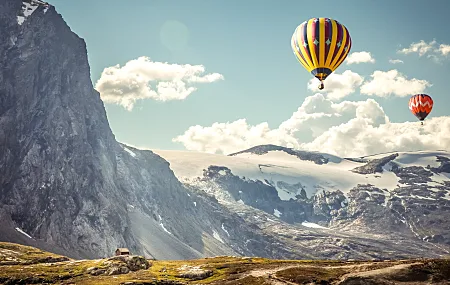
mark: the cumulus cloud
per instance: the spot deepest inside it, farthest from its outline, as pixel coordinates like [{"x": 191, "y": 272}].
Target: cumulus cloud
[
  {"x": 358, "y": 137},
  {"x": 444, "y": 49},
  {"x": 395, "y": 61},
  {"x": 420, "y": 47},
  {"x": 143, "y": 78},
  {"x": 231, "y": 136},
  {"x": 360, "y": 57},
  {"x": 436, "y": 53},
  {"x": 392, "y": 82},
  {"x": 347, "y": 129},
  {"x": 338, "y": 86}
]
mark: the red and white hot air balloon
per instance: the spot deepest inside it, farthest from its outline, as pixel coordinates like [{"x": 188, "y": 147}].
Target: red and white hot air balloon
[{"x": 421, "y": 105}]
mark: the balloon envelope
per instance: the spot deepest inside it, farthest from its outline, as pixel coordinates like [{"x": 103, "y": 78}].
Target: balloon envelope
[
  {"x": 321, "y": 45},
  {"x": 421, "y": 105}
]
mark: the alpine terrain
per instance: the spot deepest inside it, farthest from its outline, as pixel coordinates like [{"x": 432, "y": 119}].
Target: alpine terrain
[
  {"x": 382, "y": 206},
  {"x": 27, "y": 265},
  {"x": 67, "y": 186}
]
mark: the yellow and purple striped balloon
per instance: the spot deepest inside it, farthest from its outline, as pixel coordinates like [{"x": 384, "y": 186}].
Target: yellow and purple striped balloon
[{"x": 321, "y": 45}]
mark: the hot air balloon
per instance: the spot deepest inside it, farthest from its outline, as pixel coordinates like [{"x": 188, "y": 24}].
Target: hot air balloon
[
  {"x": 421, "y": 105},
  {"x": 321, "y": 45}
]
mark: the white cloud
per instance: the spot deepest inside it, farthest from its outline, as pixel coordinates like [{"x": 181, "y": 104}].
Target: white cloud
[
  {"x": 393, "y": 82},
  {"x": 433, "y": 52},
  {"x": 347, "y": 129},
  {"x": 444, "y": 49},
  {"x": 395, "y": 61},
  {"x": 420, "y": 47},
  {"x": 338, "y": 86},
  {"x": 228, "y": 137},
  {"x": 143, "y": 78},
  {"x": 358, "y": 137},
  {"x": 359, "y": 57}
]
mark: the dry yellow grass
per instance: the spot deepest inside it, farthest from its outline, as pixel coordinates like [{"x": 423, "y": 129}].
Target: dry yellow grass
[{"x": 24, "y": 265}]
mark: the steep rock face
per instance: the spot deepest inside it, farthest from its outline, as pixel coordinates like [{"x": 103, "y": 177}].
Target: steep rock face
[
  {"x": 54, "y": 134},
  {"x": 64, "y": 180}
]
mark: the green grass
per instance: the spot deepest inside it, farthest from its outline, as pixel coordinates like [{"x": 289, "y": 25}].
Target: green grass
[{"x": 318, "y": 275}]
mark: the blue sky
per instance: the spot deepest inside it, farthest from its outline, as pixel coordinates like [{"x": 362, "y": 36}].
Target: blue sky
[{"x": 248, "y": 43}]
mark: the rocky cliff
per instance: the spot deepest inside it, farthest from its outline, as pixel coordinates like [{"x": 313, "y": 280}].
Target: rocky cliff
[{"x": 64, "y": 180}]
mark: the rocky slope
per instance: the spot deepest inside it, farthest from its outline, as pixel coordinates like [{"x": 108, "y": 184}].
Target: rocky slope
[{"x": 65, "y": 182}]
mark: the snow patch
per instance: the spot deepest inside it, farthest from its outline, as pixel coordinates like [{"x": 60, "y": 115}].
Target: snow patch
[
  {"x": 217, "y": 236},
  {"x": 285, "y": 195},
  {"x": 277, "y": 213},
  {"x": 313, "y": 225},
  {"x": 162, "y": 225},
  {"x": 441, "y": 178},
  {"x": 419, "y": 158},
  {"x": 421, "y": 197},
  {"x": 129, "y": 151},
  {"x": 387, "y": 167},
  {"x": 447, "y": 196},
  {"x": 27, "y": 10},
  {"x": 225, "y": 230},
  {"x": 24, "y": 233},
  {"x": 434, "y": 184}
]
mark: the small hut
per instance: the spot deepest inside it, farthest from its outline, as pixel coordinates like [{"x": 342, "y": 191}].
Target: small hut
[{"x": 122, "y": 251}]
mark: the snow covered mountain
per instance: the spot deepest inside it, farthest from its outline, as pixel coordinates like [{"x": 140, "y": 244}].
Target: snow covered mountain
[{"x": 399, "y": 199}]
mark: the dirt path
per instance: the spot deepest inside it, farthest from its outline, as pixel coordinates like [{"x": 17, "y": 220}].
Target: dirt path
[
  {"x": 264, "y": 272},
  {"x": 382, "y": 272},
  {"x": 277, "y": 281},
  {"x": 269, "y": 274},
  {"x": 362, "y": 270}
]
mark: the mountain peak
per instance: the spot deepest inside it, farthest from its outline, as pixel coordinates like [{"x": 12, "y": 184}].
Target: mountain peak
[
  {"x": 316, "y": 157},
  {"x": 29, "y": 7}
]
